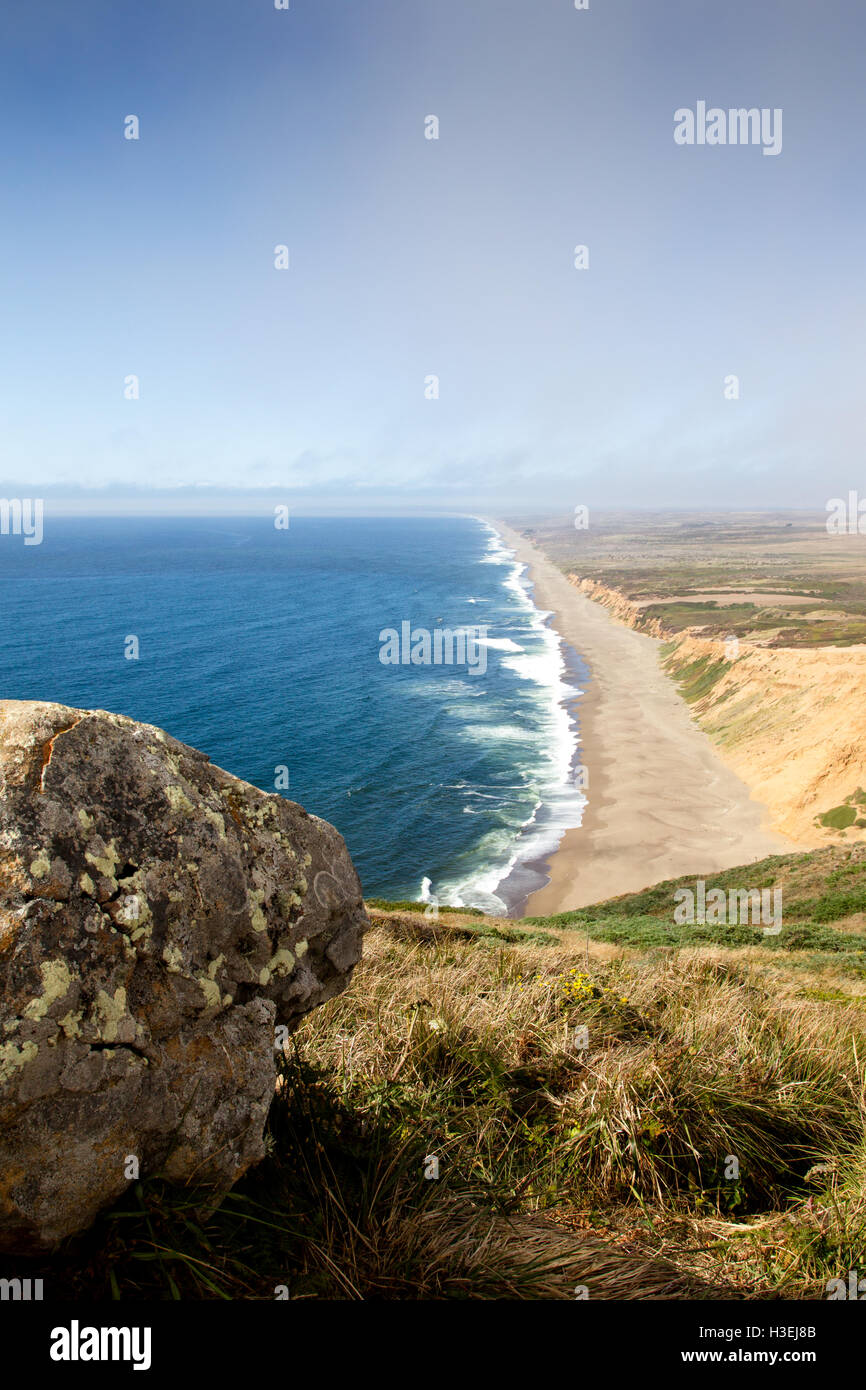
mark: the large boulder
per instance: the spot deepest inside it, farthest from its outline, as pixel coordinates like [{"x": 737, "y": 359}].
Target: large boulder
[{"x": 159, "y": 921}]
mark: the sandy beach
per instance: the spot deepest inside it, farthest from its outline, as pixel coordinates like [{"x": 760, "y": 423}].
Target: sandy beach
[{"x": 661, "y": 802}]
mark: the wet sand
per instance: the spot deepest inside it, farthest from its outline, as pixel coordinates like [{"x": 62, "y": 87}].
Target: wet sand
[{"x": 661, "y": 802}]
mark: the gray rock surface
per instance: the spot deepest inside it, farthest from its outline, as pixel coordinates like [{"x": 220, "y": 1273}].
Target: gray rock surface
[{"x": 159, "y": 919}]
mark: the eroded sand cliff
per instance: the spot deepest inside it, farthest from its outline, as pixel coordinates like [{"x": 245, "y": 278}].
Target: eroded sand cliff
[{"x": 790, "y": 721}]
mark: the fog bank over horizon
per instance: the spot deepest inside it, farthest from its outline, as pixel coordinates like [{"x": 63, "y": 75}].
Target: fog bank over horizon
[{"x": 266, "y": 502}]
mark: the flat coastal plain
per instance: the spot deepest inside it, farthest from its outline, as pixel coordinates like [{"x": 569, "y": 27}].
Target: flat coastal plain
[{"x": 661, "y": 802}]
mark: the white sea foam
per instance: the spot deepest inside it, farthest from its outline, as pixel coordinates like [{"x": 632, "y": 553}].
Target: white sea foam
[
  {"x": 499, "y": 644},
  {"x": 497, "y": 733},
  {"x": 558, "y": 802},
  {"x": 441, "y": 684},
  {"x": 497, "y": 552}
]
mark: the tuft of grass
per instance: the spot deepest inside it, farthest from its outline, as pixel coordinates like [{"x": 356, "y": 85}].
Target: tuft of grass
[
  {"x": 428, "y": 931},
  {"x": 697, "y": 678},
  {"x": 819, "y": 888},
  {"x": 385, "y": 905},
  {"x": 839, "y": 818}
]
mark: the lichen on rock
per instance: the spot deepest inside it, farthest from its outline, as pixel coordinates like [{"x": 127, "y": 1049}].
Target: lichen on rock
[{"x": 156, "y": 925}]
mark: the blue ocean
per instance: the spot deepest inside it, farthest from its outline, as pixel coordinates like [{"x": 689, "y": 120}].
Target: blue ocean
[{"x": 262, "y": 647}]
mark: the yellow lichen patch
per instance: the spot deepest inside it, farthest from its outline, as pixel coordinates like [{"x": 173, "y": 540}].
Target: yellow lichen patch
[
  {"x": 211, "y": 991},
  {"x": 214, "y": 967},
  {"x": 71, "y": 1024},
  {"x": 40, "y": 867},
  {"x": 173, "y": 957},
  {"x": 56, "y": 981},
  {"x": 282, "y": 964},
  {"x": 135, "y": 911},
  {"x": 253, "y": 815},
  {"x": 255, "y": 897},
  {"x": 110, "y": 1013},
  {"x": 301, "y": 886},
  {"x": 85, "y": 819},
  {"x": 106, "y": 863},
  {"x": 179, "y": 801},
  {"x": 258, "y": 920},
  {"x": 87, "y": 885},
  {"x": 216, "y": 820},
  {"x": 13, "y": 1057},
  {"x": 301, "y": 948}
]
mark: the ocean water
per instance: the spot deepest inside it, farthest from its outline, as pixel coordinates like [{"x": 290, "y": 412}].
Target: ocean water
[{"x": 262, "y": 648}]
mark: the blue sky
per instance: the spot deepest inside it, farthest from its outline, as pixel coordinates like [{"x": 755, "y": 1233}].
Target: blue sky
[{"x": 411, "y": 257}]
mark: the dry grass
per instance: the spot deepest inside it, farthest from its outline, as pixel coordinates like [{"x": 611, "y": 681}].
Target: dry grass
[
  {"x": 691, "y": 1063},
  {"x": 561, "y": 1168}
]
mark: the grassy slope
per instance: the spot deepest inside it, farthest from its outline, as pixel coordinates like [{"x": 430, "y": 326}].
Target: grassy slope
[
  {"x": 823, "y": 913},
  {"x": 560, "y": 1165}
]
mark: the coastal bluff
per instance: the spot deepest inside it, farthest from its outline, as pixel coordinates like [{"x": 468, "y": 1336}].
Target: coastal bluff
[
  {"x": 790, "y": 721},
  {"x": 163, "y": 925}
]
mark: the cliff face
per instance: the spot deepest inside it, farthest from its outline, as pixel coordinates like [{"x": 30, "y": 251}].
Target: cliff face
[
  {"x": 790, "y": 721},
  {"x": 621, "y": 607},
  {"x": 160, "y": 921}
]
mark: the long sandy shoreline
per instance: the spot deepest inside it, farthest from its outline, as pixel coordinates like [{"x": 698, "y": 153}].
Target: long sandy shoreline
[{"x": 661, "y": 802}]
